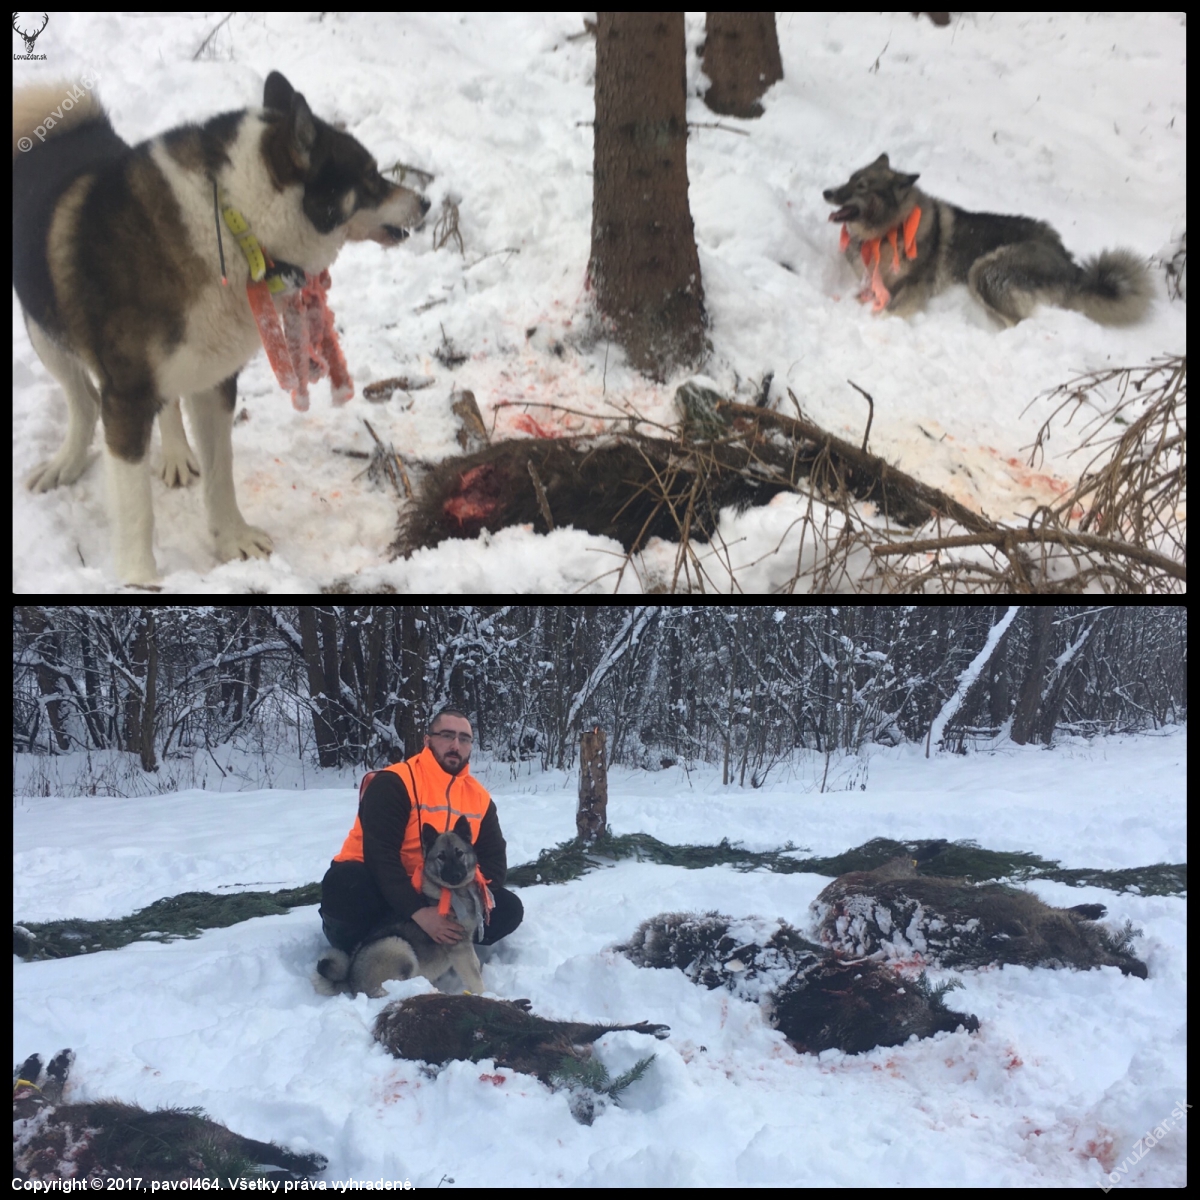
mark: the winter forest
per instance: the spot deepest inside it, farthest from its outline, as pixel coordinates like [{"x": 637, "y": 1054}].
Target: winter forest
[
  {"x": 742, "y": 687},
  {"x": 845, "y": 896}
]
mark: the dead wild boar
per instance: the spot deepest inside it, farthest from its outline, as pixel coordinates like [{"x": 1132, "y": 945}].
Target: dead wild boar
[
  {"x": 817, "y": 1001},
  {"x": 893, "y": 912},
  {"x": 106, "y": 1139},
  {"x": 438, "y": 1028}
]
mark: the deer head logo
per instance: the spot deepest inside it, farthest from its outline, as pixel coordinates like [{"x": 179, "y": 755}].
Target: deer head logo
[{"x": 29, "y": 19}]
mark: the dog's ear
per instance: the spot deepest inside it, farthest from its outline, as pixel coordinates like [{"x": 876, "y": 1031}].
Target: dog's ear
[
  {"x": 463, "y": 828},
  {"x": 909, "y": 180},
  {"x": 278, "y": 93},
  {"x": 881, "y": 161},
  {"x": 303, "y": 129},
  {"x": 429, "y": 835},
  {"x": 301, "y": 126}
]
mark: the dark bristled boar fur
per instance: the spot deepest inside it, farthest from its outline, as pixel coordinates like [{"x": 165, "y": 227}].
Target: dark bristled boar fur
[{"x": 894, "y": 912}]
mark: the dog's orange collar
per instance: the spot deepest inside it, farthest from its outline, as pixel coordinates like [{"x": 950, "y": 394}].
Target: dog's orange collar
[
  {"x": 305, "y": 346},
  {"x": 871, "y": 254},
  {"x": 443, "y": 904}
]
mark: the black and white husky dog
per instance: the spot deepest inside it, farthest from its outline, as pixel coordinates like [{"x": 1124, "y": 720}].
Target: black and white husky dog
[{"x": 117, "y": 268}]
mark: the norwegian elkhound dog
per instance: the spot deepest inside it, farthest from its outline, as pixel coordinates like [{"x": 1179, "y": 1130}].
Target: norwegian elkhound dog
[
  {"x": 402, "y": 949},
  {"x": 914, "y": 246}
]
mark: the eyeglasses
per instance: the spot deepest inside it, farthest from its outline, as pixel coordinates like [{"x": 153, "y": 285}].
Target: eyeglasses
[{"x": 448, "y": 735}]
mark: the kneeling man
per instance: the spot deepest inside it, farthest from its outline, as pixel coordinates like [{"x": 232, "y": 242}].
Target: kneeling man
[{"x": 375, "y": 879}]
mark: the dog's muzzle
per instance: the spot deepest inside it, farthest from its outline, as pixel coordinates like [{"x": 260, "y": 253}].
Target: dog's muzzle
[{"x": 847, "y": 213}]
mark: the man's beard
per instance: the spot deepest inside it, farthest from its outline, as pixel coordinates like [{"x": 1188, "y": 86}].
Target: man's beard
[{"x": 451, "y": 765}]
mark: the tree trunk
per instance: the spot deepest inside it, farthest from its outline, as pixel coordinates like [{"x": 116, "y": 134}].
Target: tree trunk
[
  {"x": 233, "y": 621},
  {"x": 45, "y": 644},
  {"x": 328, "y": 645},
  {"x": 141, "y": 684},
  {"x": 592, "y": 814},
  {"x": 1024, "y": 724},
  {"x": 644, "y": 267},
  {"x": 319, "y": 684},
  {"x": 149, "y": 759},
  {"x": 374, "y": 691},
  {"x": 414, "y": 624},
  {"x": 1071, "y": 662},
  {"x": 93, "y": 713},
  {"x": 741, "y": 57}
]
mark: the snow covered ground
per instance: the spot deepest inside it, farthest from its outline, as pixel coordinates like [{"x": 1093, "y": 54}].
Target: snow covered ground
[
  {"x": 1079, "y": 119},
  {"x": 1067, "y": 1072}
]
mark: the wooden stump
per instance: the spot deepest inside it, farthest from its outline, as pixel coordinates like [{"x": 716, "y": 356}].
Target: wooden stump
[{"x": 591, "y": 816}]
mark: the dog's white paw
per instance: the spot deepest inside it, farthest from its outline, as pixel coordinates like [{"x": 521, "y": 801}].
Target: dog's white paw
[
  {"x": 62, "y": 469},
  {"x": 179, "y": 466},
  {"x": 244, "y": 541}
]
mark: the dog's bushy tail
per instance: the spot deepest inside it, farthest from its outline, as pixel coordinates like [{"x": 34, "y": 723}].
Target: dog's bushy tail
[
  {"x": 376, "y": 962},
  {"x": 39, "y": 111},
  {"x": 1114, "y": 288},
  {"x": 333, "y": 968}
]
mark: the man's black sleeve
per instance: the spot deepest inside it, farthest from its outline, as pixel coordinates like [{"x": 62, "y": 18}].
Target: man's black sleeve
[
  {"x": 490, "y": 848},
  {"x": 383, "y": 814}
]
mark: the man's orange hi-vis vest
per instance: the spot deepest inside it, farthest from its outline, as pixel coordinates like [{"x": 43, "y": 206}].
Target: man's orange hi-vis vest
[{"x": 438, "y": 798}]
